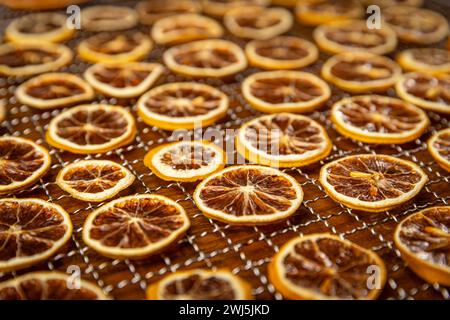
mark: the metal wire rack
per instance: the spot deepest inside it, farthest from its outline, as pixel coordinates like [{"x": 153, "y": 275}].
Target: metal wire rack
[{"x": 210, "y": 244}]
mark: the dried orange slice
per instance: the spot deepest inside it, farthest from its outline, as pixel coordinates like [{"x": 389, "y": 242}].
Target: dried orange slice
[
  {"x": 285, "y": 91},
  {"x": 431, "y": 60},
  {"x": 22, "y": 163},
  {"x": 371, "y": 182},
  {"x": 388, "y": 3},
  {"x": 255, "y": 22},
  {"x": 24, "y": 59},
  {"x": 95, "y": 128},
  {"x": 199, "y": 284},
  {"x": 123, "y": 79},
  {"x": 221, "y": 7},
  {"x": 184, "y": 28},
  {"x": 38, "y": 28},
  {"x": 185, "y": 160},
  {"x": 283, "y": 52},
  {"x": 206, "y": 58},
  {"x": 182, "y": 105},
  {"x": 354, "y": 35},
  {"x": 248, "y": 195},
  {"x": 326, "y": 267},
  {"x": 114, "y": 47},
  {"x": 49, "y": 286},
  {"x": 423, "y": 240},
  {"x": 108, "y": 18},
  {"x": 425, "y": 27},
  {"x": 54, "y": 90},
  {"x": 32, "y": 230},
  {"x": 283, "y": 140},
  {"x": 151, "y": 11},
  {"x": 94, "y": 180},
  {"x": 135, "y": 227},
  {"x": 2, "y": 111},
  {"x": 439, "y": 148},
  {"x": 316, "y": 12},
  {"x": 378, "y": 119},
  {"x": 359, "y": 72},
  {"x": 430, "y": 92}
]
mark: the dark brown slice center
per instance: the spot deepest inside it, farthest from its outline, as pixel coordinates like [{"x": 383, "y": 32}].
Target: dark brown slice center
[{"x": 197, "y": 287}]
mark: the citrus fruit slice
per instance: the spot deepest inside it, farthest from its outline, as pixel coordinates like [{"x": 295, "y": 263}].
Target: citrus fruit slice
[
  {"x": 423, "y": 239},
  {"x": 108, "y": 18},
  {"x": 95, "y": 128},
  {"x": 123, "y": 79},
  {"x": 185, "y": 27},
  {"x": 425, "y": 28},
  {"x": 285, "y": 91},
  {"x": 185, "y": 160},
  {"x": 206, "y": 58},
  {"x": 378, "y": 119},
  {"x": 54, "y": 90},
  {"x": 255, "y": 22},
  {"x": 439, "y": 148},
  {"x": 354, "y": 35},
  {"x": 22, "y": 59},
  {"x": 359, "y": 72},
  {"x": 431, "y": 60},
  {"x": 38, "y": 28},
  {"x": 49, "y": 286},
  {"x": 32, "y": 230},
  {"x": 248, "y": 195},
  {"x": 430, "y": 92},
  {"x": 283, "y": 140},
  {"x": 221, "y": 7},
  {"x": 135, "y": 227},
  {"x": 326, "y": 267},
  {"x": 115, "y": 46},
  {"x": 371, "y": 182},
  {"x": 388, "y": 3},
  {"x": 199, "y": 284},
  {"x": 283, "y": 52},
  {"x": 182, "y": 105},
  {"x": 316, "y": 12},
  {"x": 94, "y": 180},
  {"x": 22, "y": 163},
  {"x": 151, "y": 11}
]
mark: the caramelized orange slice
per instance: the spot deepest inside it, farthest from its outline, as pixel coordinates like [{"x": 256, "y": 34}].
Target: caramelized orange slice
[
  {"x": 429, "y": 60},
  {"x": 108, "y": 18},
  {"x": 151, "y": 11},
  {"x": 221, "y": 7},
  {"x": 316, "y": 12},
  {"x": 439, "y": 148}
]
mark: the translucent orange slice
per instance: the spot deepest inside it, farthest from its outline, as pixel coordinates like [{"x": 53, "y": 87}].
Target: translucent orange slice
[
  {"x": 256, "y": 22},
  {"x": 182, "y": 105},
  {"x": 371, "y": 182},
  {"x": 32, "y": 230},
  {"x": 439, "y": 148},
  {"x": 285, "y": 91},
  {"x": 108, "y": 18},
  {"x": 359, "y": 72},
  {"x": 283, "y": 140},
  {"x": 38, "y": 28},
  {"x": 354, "y": 35},
  {"x": 428, "y": 91},
  {"x": 115, "y": 46},
  {"x": 379, "y": 119},
  {"x": 325, "y": 267},
  {"x": 248, "y": 195},
  {"x": 94, "y": 180},
  {"x": 185, "y": 27},
  {"x": 316, "y": 12},
  {"x": 123, "y": 79},
  {"x": 135, "y": 227},
  {"x": 430, "y": 60},
  {"x": 151, "y": 11},
  {"x": 206, "y": 58},
  {"x": 54, "y": 90},
  {"x": 423, "y": 239},
  {"x": 93, "y": 128},
  {"x": 185, "y": 160},
  {"x": 199, "y": 284},
  {"x": 22, "y": 163},
  {"x": 221, "y": 7},
  {"x": 49, "y": 286}
]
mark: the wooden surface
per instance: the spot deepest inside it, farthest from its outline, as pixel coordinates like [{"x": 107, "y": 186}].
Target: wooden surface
[{"x": 209, "y": 244}]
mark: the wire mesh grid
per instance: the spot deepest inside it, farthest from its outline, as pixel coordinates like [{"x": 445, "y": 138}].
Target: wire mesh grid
[{"x": 210, "y": 244}]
